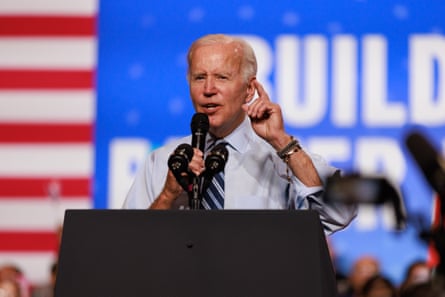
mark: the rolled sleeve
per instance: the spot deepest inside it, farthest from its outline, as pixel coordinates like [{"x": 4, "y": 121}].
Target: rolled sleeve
[{"x": 333, "y": 216}]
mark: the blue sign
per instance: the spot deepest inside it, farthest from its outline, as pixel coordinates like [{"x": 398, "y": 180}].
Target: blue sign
[{"x": 352, "y": 78}]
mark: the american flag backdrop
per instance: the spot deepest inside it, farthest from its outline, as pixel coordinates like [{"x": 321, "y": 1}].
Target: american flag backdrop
[{"x": 47, "y": 117}]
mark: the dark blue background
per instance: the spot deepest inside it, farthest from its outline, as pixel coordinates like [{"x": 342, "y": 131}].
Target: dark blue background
[{"x": 142, "y": 90}]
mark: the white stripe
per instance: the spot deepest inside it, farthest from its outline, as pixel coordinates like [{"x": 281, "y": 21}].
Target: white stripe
[
  {"x": 46, "y": 160},
  {"x": 22, "y": 214},
  {"x": 205, "y": 204},
  {"x": 47, "y": 106},
  {"x": 48, "y": 53},
  {"x": 35, "y": 266},
  {"x": 213, "y": 197},
  {"x": 67, "y": 7}
]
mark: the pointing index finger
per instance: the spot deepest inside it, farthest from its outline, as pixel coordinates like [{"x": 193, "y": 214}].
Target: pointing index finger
[{"x": 260, "y": 90}]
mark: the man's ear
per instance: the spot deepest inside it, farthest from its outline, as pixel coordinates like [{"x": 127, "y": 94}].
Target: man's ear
[{"x": 250, "y": 89}]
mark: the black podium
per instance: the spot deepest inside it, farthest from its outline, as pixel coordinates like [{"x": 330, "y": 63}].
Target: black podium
[{"x": 231, "y": 253}]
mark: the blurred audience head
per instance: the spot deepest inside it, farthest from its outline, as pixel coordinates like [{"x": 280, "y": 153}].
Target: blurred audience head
[
  {"x": 9, "y": 288},
  {"x": 9, "y": 272},
  {"x": 428, "y": 289},
  {"x": 378, "y": 286},
  {"x": 13, "y": 282},
  {"x": 362, "y": 270},
  {"x": 417, "y": 273}
]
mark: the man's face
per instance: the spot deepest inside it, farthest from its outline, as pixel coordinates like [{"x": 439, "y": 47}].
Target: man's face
[{"x": 218, "y": 88}]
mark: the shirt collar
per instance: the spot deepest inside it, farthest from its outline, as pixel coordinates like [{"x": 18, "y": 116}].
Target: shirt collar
[{"x": 239, "y": 138}]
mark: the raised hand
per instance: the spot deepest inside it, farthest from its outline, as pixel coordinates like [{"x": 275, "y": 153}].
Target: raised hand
[{"x": 266, "y": 118}]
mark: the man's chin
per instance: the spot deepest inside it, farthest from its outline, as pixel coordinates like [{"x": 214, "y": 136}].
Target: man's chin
[
  {"x": 214, "y": 119},
  {"x": 215, "y": 126}
]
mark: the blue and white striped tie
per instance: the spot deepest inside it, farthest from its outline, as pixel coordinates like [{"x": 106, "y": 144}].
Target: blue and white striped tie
[{"x": 213, "y": 196}]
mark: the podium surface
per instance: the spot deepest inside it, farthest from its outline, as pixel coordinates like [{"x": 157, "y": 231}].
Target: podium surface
[{"x": 116, "y": 253}]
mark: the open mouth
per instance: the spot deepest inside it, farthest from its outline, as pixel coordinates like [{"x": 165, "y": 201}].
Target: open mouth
[{"x": 211, "y": 106}]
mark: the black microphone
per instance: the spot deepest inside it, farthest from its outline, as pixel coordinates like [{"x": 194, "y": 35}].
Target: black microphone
[
  {"x": 214, "y": 163},
  {"x": 200, "y": 127},
  {"x": 178, "y": 163},
  {"x": 429, "y": 161}
]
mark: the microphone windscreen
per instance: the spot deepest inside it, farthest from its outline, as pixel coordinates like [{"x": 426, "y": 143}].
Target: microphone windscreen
[
  {"x": 221, "y": 149},
  {"x": 200, "y": 122},
  {"x": 179, "y": 160},
  {"x": 185, "y": 149},
  {"x": 217, "y": 158}
]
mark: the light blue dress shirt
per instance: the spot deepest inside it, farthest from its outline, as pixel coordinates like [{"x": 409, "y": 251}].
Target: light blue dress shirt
[{"x": 255, "y": 178}]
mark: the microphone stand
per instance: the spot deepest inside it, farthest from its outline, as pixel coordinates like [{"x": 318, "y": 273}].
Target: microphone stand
[{"x": 194, "y": 192}]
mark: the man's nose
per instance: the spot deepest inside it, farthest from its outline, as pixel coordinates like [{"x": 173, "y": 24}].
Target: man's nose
[{"x": 209, "y": 85}]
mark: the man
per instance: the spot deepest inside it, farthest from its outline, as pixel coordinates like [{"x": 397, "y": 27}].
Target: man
[{"x": 222, "y": 81}]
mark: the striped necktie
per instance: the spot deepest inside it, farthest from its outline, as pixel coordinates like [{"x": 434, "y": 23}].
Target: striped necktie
[{"x": 213, "y": 196}]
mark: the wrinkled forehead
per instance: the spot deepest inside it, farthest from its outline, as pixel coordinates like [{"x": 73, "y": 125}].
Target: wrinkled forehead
[{"x": 221, "y": 54}]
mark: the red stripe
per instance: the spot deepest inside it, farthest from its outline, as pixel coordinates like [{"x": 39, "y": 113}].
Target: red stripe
[
  {"x": 26, "y": 133},
  {"x": 46, "y": 79},
  {"x": 44, "y": 187},
  {"x": 433, "y": 255},
  {"x": 47, "y": 25},
  {"x": 44, "y": 241}
]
